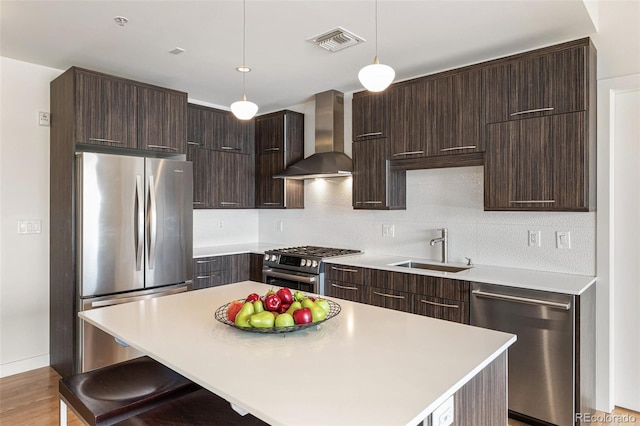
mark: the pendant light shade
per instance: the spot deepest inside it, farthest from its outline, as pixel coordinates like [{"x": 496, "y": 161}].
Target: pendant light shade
[
  {"x": 244, "y": 109},
  {"x": 376, "y": 77}
]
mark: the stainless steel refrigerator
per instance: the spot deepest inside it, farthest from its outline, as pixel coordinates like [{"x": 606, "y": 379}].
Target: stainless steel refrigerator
[{"x": 134, "y": 231}]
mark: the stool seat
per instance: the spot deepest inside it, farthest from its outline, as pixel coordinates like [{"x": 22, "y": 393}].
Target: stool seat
[
  {"x": 116, "y": 392},
  {"x": 200, "y": 408}
]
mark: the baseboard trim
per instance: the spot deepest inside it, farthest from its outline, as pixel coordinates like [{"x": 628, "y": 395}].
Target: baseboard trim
[{"x": 16, "y": 367}]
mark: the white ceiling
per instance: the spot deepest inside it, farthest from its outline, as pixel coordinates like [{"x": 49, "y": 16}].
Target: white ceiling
[{"x": 415, "y": 38}]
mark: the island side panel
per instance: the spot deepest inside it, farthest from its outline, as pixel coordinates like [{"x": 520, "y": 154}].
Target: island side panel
[{"x": 483, "y": 399}]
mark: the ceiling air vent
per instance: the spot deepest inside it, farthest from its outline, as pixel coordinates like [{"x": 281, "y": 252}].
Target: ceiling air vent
[{"x": 336, "y": 39}]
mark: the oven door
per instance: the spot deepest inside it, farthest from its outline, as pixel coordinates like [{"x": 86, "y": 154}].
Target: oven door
[{"x": 294, "y": 280}]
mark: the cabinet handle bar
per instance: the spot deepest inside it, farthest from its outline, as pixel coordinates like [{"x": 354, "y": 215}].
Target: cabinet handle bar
[
  {"x": 444, "y": 305},
  {"x": 193, "y": 143},
  {"x": 408, "y": 153},
  {"x": 531, "y": 201},
  {"x": 272, "y": 149},
  {"x": 530, "y": 111},
  {"x": 200, "y": 277},
  {"x": 368, "y": 202},
  {"x": 231, "y": 148},
  {"x": 364, "y": 135},
  {"x": 393, "y": 296},
  {"x": 104, "y": 140},
  {"x": 271, "y": 204},
  {"x": 344, "y": 287},
  {"x": 162, "y": 147},
  {"x": 456, "y": 148},
  {"x": 335, "y": 268},
  {"x": 199, "y": 262},
  {"x": 229, "y": 203}
]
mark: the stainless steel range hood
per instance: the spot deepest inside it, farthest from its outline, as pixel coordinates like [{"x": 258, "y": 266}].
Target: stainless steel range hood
[{"x": 329, "y": 159}]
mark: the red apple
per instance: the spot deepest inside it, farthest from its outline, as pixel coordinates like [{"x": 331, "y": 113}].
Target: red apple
[{"x": 302, "y": 316}]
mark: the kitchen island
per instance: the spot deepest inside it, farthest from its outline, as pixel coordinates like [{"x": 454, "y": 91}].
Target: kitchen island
[{"x": 366, "y": 366}]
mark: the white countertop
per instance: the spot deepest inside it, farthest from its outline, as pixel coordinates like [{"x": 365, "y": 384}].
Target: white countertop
[
  {"x": 512, "y": 277},
  {"x": 366, "y": 366},
  {"x": 258, "y": 248}
]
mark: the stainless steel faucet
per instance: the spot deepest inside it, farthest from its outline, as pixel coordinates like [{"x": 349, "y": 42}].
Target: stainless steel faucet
[{"x": 444, "y": 239}]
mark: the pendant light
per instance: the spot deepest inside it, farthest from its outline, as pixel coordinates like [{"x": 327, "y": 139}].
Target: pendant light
[
  {"x": 376, "y": 77},
  {"x": 244, "y": 109}
]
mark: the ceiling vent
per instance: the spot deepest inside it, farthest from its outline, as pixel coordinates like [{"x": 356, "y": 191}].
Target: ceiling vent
[{"x": 336, "y": 39}]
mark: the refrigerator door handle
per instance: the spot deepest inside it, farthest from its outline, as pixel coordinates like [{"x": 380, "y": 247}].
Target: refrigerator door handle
[
  {"x": 152, "y": 222},
  {"x": 139, "y": 218}
]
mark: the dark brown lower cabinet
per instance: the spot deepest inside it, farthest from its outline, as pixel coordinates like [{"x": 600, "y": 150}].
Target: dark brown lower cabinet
[
  {"x": 392, "y": 299},
  {"x": 436, "y": 307},
  {"x": 347, "y": 291},
  {"x": 220, "y": 270},
  {"x": 255, "y": 267}
]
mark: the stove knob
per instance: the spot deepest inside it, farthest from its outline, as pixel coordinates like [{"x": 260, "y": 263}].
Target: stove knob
[
  {"x": 303, "y": 262},
  {"x": 266, "y": 257},
  {"x": 314, "y": 263},
  {"x": 274, "y": 257},
  {"x": 309, "y": 263}
]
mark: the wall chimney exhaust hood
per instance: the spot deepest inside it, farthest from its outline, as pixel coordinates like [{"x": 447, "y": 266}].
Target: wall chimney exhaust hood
[{"x": 329, "y": 159}]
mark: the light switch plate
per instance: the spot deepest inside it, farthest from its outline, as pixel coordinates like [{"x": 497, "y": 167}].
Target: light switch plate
[
  {"x": 443, "y": 415},
  {"x": 388, "y": 231},
  {"x": 563, "y": 239},
  {"x": 44, "y": 118}
]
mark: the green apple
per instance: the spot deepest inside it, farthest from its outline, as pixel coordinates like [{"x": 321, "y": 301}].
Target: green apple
[
  {"x": 324, "y": 304},
  {"x": 298, "y": 296},
  {"x": 242, "y": 319},
  {"x": 264, "y": 319},
  {"x": 295, "y": 305},
  {"x": 258, "y": 306},
  {"x": 285, "y": 320},
  {"x": 317, "y": 313},
  {"x": 307, "y": 303}
]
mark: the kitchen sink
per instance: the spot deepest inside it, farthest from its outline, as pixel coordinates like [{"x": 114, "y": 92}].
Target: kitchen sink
[{"x": 431, "y": 266}]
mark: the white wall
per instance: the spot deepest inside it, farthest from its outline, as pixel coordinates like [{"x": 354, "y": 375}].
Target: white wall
[
  {"x": 24, "y": 194},
  {"x": 224, "y": 227}
]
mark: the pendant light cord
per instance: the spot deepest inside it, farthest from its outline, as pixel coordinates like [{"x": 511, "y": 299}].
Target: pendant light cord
[
  {"x": 376, "y": 20},
  {"x": 244, "y": 36}
]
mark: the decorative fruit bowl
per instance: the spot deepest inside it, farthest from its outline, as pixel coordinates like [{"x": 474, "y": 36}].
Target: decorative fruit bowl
[{"x": 221, "y": 315}]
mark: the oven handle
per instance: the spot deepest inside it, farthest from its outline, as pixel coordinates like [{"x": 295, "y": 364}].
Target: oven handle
[{"x": 292, "y": 277}]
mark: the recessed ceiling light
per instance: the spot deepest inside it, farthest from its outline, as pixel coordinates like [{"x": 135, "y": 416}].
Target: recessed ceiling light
[
  {"x": 177, "y": 51},
  {"x": 121, "y": 20},
  {"x": 243, "y": 69}
]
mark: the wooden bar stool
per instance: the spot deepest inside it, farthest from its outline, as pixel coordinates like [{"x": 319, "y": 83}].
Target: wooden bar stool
[
  {"x": 111, "y": 394},
  {"x": 200, "y": 408}
]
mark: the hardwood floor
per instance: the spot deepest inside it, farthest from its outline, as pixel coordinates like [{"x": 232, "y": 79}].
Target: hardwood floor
[{"x": 31, "y": 399}]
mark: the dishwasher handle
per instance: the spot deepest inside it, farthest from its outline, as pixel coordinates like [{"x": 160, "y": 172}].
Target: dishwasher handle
[{"x": 518, "y": 299}]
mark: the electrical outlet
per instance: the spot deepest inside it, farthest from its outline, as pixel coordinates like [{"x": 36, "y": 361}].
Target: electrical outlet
[
  {"x": 389, "y": 231},
  {"x": 563, "y": 239},
  {"x": 221, "y": 224},
  {"x": 535, "y": 239},
  {"x": 443, "y": 415},
  {"x": 44, "y": 118},
  {"x": 29, "y": 227}
]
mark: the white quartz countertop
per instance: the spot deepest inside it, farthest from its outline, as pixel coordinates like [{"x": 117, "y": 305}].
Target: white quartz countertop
[
  {"x": 512, "y": 277},
  {"x": 258, "y": 248},
  {"x": 366, "y": 366}
]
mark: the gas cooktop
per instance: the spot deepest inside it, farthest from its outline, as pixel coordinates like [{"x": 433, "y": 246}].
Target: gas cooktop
[{"x": 315, "y": 251}]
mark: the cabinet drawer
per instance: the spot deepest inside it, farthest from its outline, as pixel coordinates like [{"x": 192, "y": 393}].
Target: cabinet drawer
[
  {"x": 443, "y": 288},
  {"x": 345, "y": 273},
  {"x": 211, "y": 279},
  {"x": 346, "y": 291},
  {"x": 436, "y": 307},
  {"x": 207, "y": 264},
  {"x": 392, "y": 299}
]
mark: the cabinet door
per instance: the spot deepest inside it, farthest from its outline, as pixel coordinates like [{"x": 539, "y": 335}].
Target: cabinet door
[
  {"x": 162, "y": 120},
  {"x": 408, "y": 130},
  {"x": 270, "y": 134},
  {"x": 255, "y": 268},
  {"x": 347, "y": 291},
  {"x": 549, "y": 84},
  {"x": 106, "y": 111},
  {"x": 537, "y": 164},
  {"x": 369, "y": 115},
  {"x": 194, "y": 127},
  {"x": 455, "y": 116},
  {"x": 201, "y": 175},
  {"x": 211, "y": 279},
  {"x": 269, "y": 191},
  {"x": 392, "y": 299},
  {"x": 231, "y": 180},
  {"x": 375, "y": 186},
  {"x": 435, "y": 307}
]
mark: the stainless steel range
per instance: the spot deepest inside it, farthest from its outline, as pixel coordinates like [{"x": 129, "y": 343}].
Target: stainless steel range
[{"x": 300, "y": 268}]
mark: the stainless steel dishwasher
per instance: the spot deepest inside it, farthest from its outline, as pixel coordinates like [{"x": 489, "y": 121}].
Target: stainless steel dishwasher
[{"x": 541, "y": 362}]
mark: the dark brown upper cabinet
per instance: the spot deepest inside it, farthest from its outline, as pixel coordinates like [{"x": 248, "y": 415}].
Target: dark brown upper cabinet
[
  {"x": 540, "y": 85},
  {"x": 162, "y": 120},
  {"x": 106, "y": 112},
  {"x": 375, "y": 186},
  {"x": 279, "y": 143},
  {"x": 408, "y": 129},
  {"x": 231, "y": 182},
  {"x": 454, "y": 114},
  {"x": 538, "y": 164},
  {"x": 370, "y": 115},
  {"x": 219, "y": 130},
  {"x": 201, "y": 175}
]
